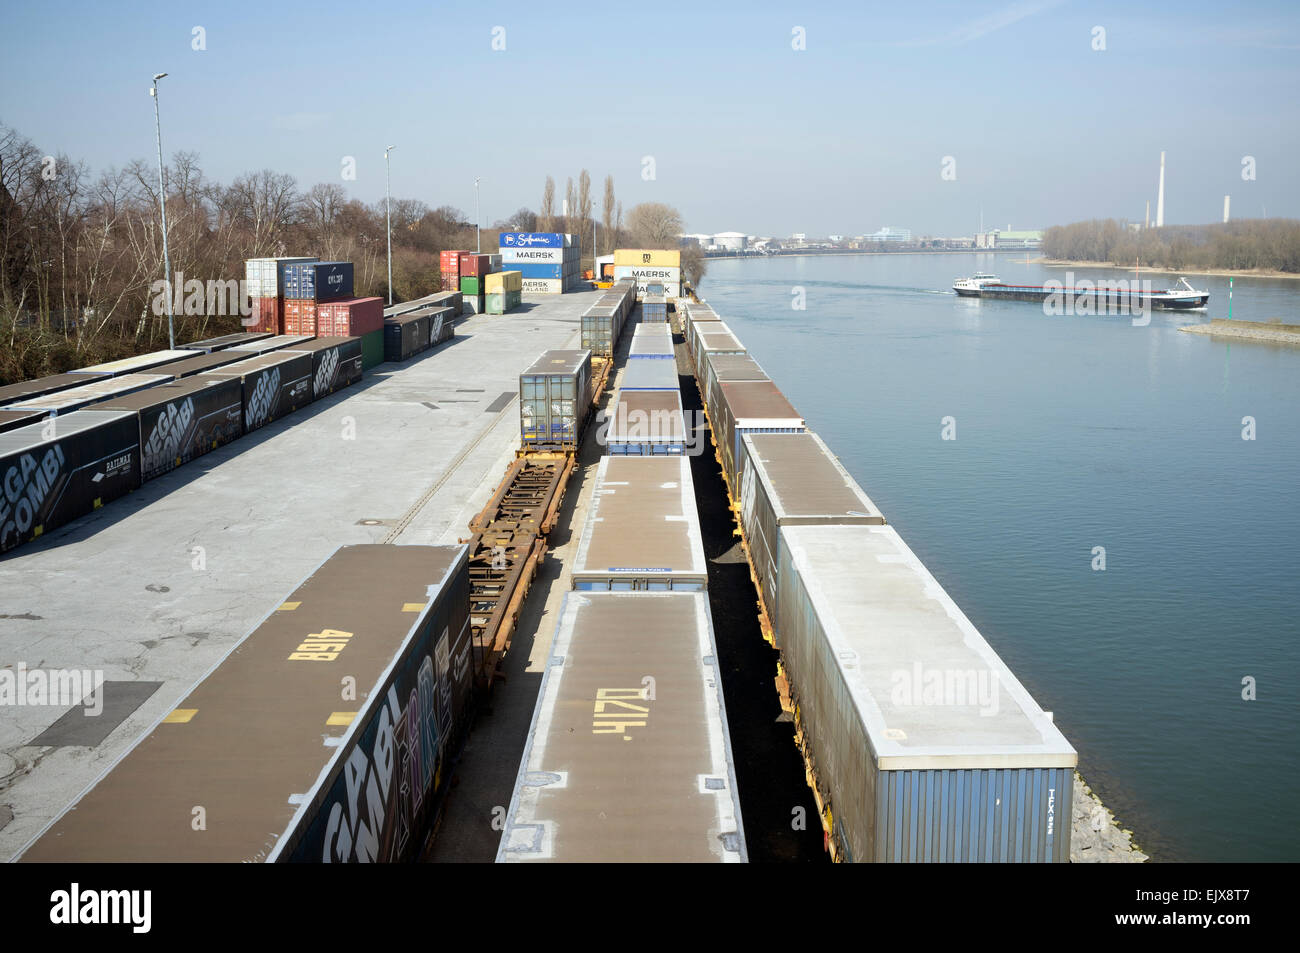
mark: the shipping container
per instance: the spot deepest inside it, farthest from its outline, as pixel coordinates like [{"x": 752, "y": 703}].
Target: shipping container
[
  {"x": 336, "y": 363},
  {"x": 543, "y": 272},
  {"x": 696, "y": 322},
  {"x": 554, "y": 399},
  {"x": 748, "y": 407},
  {"x": 471, "y": 286},
  {"x": 276, "y": 342},
  {"x": 539, "y": 256},
  {"x": 53, "y": 472},
  {"x": 714, "y": 339},
  {"x": 650, "y": 375},
  {"x": 267, "y": 315},
  {"x": 201, "y": 362},
  {"x": 502, "y": 303},
  {"x": 404, "y": 337},
  {"x": 501, "y": 281},
  {"x": 651, "y": 341},
  {"x": 224, "y": 341},
  {"x": 792, "y": 479},
  {"x": 264, "y": 745},
  {"x": 40, "y": 386},
  {"x": 265, "y": 276},
  {"x": 646, "y": 775},
  {"x": 318, "y": 281},
  {"x": 372, "y": 349},
  {"x": 183, "y": 420},
  {"x": 133, "y": 365},
  {"x": 442, "y": 324},
  {"x": 449, "y": 261},
  {"x": 647, "y": 258},
  {"x": 472, "y": 304},
  {"x": 274, "y": 385},
  {"x": 600, "y": 328},
  {"x": 94, "y": 392},
  {"x": 544, "y": 286},
  {"x": 642, "y": 530},
  {"x": 645, "y": 423},
  {"x": 654, "y": 308},
  {"x": 923, "y": 742},
  {"x": 535, "y": 240},
  {"x": 473, "y": 265},
  {"x": 446, "y": 299},
  {"x": 13, "y": 419},
  {"x": 726, "y": 367},
  {"x": 300, "y": 316},
  {"x": 351, "y": 317}
]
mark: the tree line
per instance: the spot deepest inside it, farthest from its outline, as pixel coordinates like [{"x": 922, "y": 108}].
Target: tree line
[
  {"x": 80, "y": 251},
  {"x": 1271, "y": 244}
]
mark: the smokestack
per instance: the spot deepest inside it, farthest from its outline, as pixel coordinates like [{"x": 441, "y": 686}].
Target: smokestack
[
  {"x": 1225, "y": 208},
  {"x": 1160, "y": 198},
  {"x": 1148, "y": 221}
]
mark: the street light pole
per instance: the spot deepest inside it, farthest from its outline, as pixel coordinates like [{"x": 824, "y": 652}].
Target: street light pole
[
  {"x": 478, "y": 221},
  {"x": 388, "y": 215},
  {"x": 162, "y": 203}
]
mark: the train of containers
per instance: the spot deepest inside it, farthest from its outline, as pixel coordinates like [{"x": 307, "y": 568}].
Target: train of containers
[
  {"x": 650, "y": 266},
  {"x": 314, "y": 298},
  {"x": 630, "y": 714},
  {"x": 924, "y": 745},
  {"x": 602, "y": 323},
  {"x": 67, "y": 448},
  {"x": 367, "y": 793},
  {"x": 547, "y": 261}
]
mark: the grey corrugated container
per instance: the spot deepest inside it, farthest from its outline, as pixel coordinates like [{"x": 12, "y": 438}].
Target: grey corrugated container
[
  {"x": 743, "y": 407},
  {"x": 650, "y": 375},
  {"x": 793, "y": 479},
  {"x": 642, "y": 530},
  {"x": 91, "y": 393},
  {"x": 603, "y": 781},
  {"x": 694, "y": 322},
  {"x": 645, "y": 423},
  {"x": 652, "y": 341},
  {"x": 720, "y": 367},
  {"x": 714, "y": 339},
  {"x": 925, "y": 744},
  {"x": 554, "y": 398}
]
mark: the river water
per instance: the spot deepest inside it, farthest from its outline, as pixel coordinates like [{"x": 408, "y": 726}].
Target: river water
[{"x": 1072, "y": 433}]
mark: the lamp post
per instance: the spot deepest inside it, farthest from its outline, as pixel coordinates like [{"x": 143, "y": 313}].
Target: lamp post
[
  {"x": 162, "y": 203},
  {"x": 478, "y": 221},
  {"x": 388, "y": 215}
]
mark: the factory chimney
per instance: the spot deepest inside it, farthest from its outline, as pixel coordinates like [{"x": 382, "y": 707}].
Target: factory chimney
[
  {"x": 1148, "y": 221},
  {"x": 1225, "y": 209},
  {"x": 1160, "y": 197}
]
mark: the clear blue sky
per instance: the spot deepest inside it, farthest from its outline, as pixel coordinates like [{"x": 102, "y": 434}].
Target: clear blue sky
[{"x": 747, "y": 133}]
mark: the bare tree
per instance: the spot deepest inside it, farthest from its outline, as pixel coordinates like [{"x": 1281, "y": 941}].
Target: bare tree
[
  {"x": 607, "y": 211},
  {"x": 570, "y": 206},
  {"x": 694, "y": 264},
  {"x": 655, "y": 225},
  {"x": 546, "y": 217},
  {"x": 584, "y": 212}
]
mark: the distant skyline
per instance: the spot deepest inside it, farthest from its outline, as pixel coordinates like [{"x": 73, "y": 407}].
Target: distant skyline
[{"x": 746, "y": 131}]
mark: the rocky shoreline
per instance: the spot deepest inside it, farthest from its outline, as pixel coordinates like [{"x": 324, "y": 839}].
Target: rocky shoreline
[
  {"x": 1095, "y": 836},
  {"x": 1248, "y": 331}
]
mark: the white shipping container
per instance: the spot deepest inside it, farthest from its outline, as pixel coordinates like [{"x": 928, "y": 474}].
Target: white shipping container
[
  {"x": 648, "y": 272},
  {"x": 548, "y": 286}
]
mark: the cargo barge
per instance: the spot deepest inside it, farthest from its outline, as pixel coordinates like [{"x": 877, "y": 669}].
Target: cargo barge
[{"x": 1121, "y": 297}]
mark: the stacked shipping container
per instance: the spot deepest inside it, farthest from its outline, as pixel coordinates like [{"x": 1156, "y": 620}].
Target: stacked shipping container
[
  {"x": 650, "y": 266},
  {"x": 547, "y": 261},
  {"x": 264, "y": 278}
]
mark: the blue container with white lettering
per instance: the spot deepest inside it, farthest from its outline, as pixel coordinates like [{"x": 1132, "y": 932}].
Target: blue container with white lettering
[{"x": 319, "y": 280}]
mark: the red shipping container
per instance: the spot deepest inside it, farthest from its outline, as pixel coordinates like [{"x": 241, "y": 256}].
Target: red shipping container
[
  {"x": 266, "y": 316},
  {"x": 299, "y": 316},
  {"x": 449, "y": 262},
  {"x": 450, "y": 281},
  {"x": 351, "y": 317},
  {"x": 472, "y": 265}
]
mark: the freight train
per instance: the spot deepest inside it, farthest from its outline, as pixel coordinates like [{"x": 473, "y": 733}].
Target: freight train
[
  {"x": 70, "y": 443},
  {"x": 920, "y": 743},
  {"x": 628, "y": 756}
]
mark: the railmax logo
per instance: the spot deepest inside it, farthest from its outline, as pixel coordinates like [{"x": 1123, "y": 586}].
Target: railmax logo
[
  {"x": 77, "y": 906},
  {"x": 164, "y": 444},
  {"x": 55, "y": 688},
  {"x": 329, "y": 366},
  {"x": 24, "y": 489}
]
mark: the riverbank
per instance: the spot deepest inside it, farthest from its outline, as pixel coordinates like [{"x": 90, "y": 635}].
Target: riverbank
[
  {"x": 1248, "y": 331},
  {"x": 1095, "y": 836},
  {"x": 1128, "y": 266}
]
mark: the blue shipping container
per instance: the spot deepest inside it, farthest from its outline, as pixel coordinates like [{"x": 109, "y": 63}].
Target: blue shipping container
[
  {"x": 538, "y": 271},
  {"x": 532, "y": 240},
  {"x": 321, "y": 280}
]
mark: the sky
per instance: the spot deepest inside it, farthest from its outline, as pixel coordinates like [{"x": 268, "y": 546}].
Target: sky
[{"x": 763, "y": 118}]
